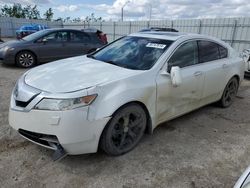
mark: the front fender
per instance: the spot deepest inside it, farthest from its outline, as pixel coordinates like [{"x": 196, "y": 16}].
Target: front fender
[{"x": 112, "y": 96}]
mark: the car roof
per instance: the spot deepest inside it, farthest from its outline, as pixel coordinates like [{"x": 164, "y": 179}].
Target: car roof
[
  {"x": 63, "y": 29},
  {"x": 173, "y": 36},
  {"x": 164, "y": 29},
  {"x": 162, "y": 35}
]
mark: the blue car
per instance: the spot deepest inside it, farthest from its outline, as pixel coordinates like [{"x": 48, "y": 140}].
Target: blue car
[{"x": 26, "y": 30}]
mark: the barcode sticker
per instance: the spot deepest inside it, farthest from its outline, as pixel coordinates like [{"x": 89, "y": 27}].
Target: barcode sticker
[{"x": 155, "y": 45}]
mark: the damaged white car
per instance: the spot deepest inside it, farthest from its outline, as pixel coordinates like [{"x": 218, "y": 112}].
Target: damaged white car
[
  {"x": 246, "y": 58},
  {"x": 110, "y": 98}
]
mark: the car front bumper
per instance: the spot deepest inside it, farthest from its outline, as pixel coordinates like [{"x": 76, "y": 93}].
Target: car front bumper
[
  {"x": 7, "y": 58},
  {"x": 69, "y": 128}
]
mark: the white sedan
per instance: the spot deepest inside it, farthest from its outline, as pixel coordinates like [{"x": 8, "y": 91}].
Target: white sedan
[
  {"x": 246, "y": 57},
  {"x": 110, "y": 98}
]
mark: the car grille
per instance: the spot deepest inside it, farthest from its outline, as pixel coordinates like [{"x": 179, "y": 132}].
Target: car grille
[{"x": 48, "y": 141}]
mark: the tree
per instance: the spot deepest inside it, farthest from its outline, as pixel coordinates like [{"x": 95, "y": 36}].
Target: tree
[
  {"x": 31, "y": 12},
  {"x": 92, "y": 18},
  {"x": 13, "y": 11},
  {"x": 59, "y": 19},
  {"x": 67, "y": 19},
  {"x": 77, "y": 20},
  {"x": 18, "y": 11},
  {"x": 49, "y": 14}
]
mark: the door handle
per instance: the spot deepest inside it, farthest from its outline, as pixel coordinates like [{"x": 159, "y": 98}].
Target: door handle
[
  {"x": 224, "y": 66},
  {"x": 198, "y": 73}
]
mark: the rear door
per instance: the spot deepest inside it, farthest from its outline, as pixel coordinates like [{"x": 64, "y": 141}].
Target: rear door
[
  {"x": 79, "y": 43},
  {"x": 54, "y": 46},
  {"x": 174, "y": 101},
  {"x": 216, "y": 66}
]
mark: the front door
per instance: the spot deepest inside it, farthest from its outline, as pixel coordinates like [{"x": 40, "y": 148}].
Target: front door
[
  {"x": 174, "y": 101},
  {"x": 54, "y": 46}
]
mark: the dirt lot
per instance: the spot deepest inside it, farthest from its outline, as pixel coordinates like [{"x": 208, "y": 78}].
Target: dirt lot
[{"x": 206, "y": 148}]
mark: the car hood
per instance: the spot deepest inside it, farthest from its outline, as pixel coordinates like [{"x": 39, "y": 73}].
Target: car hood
[
  {"x": 11, "y": 43},
  {"x": 74, "y": 74}
]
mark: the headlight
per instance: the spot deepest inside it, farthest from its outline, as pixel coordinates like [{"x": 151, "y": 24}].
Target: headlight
[
  {"x": 64, "y": 104},
  {"x": 7, "y": 49}
]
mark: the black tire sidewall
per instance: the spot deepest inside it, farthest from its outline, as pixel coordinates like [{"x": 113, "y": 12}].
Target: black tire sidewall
[
  {"x": 106, "y": 143},
  {"x": 222, "y": 101},
  {"x": 18, "y": 56}
]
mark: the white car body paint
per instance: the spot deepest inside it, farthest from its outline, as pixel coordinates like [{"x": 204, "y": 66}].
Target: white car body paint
[
  {"x": 244, "y": 180},
  {"x": 246, "y": 57},
  {"x": 79, "y": 130}
]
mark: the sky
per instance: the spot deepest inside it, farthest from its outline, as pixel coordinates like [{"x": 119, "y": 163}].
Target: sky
[{"x": 140, "y": 9}]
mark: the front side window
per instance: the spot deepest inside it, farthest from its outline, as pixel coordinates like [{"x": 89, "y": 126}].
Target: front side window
[
  {"x": 208, "y": 51},
  {"x": 60, "y": 36},
  {"x": 185, "y": 55},
  {"x": 36, "y": 35},
  {"x": 138, "y": 53}
]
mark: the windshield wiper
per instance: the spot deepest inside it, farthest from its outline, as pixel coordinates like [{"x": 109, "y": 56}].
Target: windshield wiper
[
  {"x": 122, "y": 65},
  {"x": 91, "y": 56},
  {"x": 113, "y": 63}
]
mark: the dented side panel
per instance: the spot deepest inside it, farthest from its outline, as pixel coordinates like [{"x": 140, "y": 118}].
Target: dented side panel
[
  {"x": 174, "y": 101},
  {"x": 114, "y": 95}
]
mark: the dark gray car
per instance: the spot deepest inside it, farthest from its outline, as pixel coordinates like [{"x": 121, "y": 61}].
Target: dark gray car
[{"x": 48, "y": 45}]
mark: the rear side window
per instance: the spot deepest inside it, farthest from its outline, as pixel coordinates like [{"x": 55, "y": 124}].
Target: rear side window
[
  {"x": 59, "y": 36},
  {"x": 210, "y": 51},
  {"x": 94, "y": 38},
  {"x": 184, "y": 56},
  {"x": 223, "y": 52},
  {"x": 79, "y": 37}
]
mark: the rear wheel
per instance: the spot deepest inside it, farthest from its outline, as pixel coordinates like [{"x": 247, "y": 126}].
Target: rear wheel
[
  {"x": 25, "y": 59},
  {"x": 229, "y": 93},
  {"x": 124, "y": 131}
]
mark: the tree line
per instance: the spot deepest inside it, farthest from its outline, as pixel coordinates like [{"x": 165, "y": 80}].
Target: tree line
[
  {"x": 31, "y": 12},
  {"x": 28, "y": 12}
]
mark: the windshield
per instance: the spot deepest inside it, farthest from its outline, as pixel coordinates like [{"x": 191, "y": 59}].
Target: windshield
[
  {"x": 133, "y": 52},
  {"x": 35, "y": 35}
]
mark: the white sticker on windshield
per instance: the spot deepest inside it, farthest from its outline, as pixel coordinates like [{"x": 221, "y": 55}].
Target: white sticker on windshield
[{"x": 155, "y": 45}]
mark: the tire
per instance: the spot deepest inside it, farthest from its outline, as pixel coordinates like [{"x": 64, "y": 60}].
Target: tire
[
  {"x": 229, "y": 93},
  {"x": 124, "y": 130},
  {"x": 25, "y": 59}
]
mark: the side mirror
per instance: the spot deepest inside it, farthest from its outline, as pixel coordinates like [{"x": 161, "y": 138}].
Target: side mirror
[
  {"x": 175, "y": 75},
  {"x": 44, "y": 40}
]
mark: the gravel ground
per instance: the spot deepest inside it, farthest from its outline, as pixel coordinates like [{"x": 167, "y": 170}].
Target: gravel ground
[{"x": 206, "y": 148}]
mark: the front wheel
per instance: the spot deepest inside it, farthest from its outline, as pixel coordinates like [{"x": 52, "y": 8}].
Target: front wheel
[
  {"x": 229, "y": 93},
  {"x": 25, "y": 59},
  {"x": 124, "y": 131}
]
